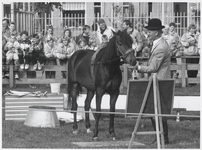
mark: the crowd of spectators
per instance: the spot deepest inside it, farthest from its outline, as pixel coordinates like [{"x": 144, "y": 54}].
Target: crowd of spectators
[{"x": 38, "y": 50}]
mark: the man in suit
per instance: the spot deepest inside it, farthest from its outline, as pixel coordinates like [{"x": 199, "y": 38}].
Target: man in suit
[{"x": 159, "y": 61}]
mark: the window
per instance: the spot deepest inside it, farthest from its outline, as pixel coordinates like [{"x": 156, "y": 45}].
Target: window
[
  {"x": 97, "y": 10},
  {"x": 74, "y": 14}
]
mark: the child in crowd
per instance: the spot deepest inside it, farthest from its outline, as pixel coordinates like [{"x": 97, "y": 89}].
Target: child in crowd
[
  {"x": 64, "y": 52},
  {"x": 82, "y": 44},
  {"x": 37, "y": 53},
  {"x": 105, "y": 41},
  {"x": 49, "y": 49},
  {"x": 12, "y": 47},
  {"x": 24, "y": 51}
]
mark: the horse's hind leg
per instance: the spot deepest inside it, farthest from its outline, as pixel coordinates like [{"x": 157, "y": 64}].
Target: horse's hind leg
[
  {"x": 88, "y": 100},
  {"x": 73, "y": 94},
  {"x": 113, "y": 99}
]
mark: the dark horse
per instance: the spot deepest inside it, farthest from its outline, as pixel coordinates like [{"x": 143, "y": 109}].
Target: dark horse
[{"x": 103, "y": 76}]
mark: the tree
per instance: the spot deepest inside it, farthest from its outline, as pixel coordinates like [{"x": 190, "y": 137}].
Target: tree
[
  {"x": 38, "y": 7},
  {"x": 46, "y": 7}
]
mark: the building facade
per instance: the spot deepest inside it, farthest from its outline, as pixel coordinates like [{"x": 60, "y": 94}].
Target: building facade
[{"x": 75, "y": 14}]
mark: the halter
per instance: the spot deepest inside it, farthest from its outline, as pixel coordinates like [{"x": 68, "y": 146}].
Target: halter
[{"x": 125, "y": 54}]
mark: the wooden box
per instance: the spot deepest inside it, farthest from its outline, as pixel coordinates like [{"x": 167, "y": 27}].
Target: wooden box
[{"x": 16, "y": 107}]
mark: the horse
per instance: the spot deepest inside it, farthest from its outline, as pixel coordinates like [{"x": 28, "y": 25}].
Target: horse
[{"x": 100, "y": 77}]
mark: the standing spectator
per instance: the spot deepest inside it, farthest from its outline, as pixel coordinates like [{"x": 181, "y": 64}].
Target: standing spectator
[
  {"x": 5, "y": 29},
  {"x": 49, "y": 49},
  {"x": 159, "y": 61},
  {"x": 84, "y": 35},
  {"x": 12, "y": 47},
  {"x": 135, "y": 35},
  {"x": 24, "y": 51},
  {"x": 64, "y": 51},
  {"x": 190, "y": 45},
  {"x": 103, "y": 29}
]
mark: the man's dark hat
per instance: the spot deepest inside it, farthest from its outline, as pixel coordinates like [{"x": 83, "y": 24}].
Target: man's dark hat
[{"x": 154, "y": 24}]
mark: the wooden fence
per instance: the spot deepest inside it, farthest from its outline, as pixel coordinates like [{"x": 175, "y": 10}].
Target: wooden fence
[{"x": 41, "y": 79}]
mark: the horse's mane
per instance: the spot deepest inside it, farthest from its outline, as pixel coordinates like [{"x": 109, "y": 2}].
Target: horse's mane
[{"x": 109, "y": 51}]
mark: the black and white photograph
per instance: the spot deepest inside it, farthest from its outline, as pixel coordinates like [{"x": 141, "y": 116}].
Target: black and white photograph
[{"x": 101, "y": 75}]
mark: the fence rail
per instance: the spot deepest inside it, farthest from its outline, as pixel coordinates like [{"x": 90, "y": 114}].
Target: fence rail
[{"x": 41, "y": 79}]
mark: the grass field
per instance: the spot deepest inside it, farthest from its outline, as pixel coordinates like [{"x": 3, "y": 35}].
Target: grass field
[{"x": 183, "y": 135}]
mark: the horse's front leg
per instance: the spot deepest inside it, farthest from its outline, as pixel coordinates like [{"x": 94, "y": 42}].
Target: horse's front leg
[
  {"x": 113, "y": 99},
  {"x": 88, "y": 100},
  {"x": 99, "y": 94}
]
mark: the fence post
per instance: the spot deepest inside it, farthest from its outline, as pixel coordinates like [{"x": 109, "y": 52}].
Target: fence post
[
  {"x": 125, "y": 75},
  {"x": 11, "y": 75},
  {"x": 183, "y": 71}
]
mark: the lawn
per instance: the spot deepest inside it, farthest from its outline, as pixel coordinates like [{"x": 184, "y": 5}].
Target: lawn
[{"x": 184, "y": 134}]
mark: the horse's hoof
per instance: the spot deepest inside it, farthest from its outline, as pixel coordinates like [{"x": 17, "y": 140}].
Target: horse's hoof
[
  {"x": 75, "y": 132},
  {"x": 88, "y": 130},
  {"x": 95, "y": 139}
]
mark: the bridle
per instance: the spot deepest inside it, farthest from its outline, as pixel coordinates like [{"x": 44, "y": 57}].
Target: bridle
[{"x": 124, "y": 55}]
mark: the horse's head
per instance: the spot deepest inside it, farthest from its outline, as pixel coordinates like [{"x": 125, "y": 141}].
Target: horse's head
[{"x": 124, "y": 47}]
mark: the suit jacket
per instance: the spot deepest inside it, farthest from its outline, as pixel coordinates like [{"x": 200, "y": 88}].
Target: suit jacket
[{"x": 159, "y": 61}]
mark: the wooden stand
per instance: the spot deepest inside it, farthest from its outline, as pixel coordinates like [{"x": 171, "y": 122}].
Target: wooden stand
[{"x": 157, "y": 112}]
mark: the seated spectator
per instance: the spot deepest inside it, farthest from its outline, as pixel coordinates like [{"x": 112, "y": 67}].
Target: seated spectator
[
  {"x": 67, "y": 34},
  {"x": 49, "y": 34},
  {"x": 3, "y": 50},
  {"x": 104, "y": 43},
  {"x": 94, "y": 41},
  {"x": 4, "y": 56},
  {"x": 37, "y": 53},
  {"x": 190, "y": 46},
  {"x": 165, "y": 32},
  {"x": 49, "y": 49},
  {"x": 12, "y": 47},
  {"x": 82, "y": 44},
  {"x": 84, "y": 35},
  {"x": 24, "y": 56},
  {"x": 173, "y": 40},
  {"x": 64, "y": 51}
]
